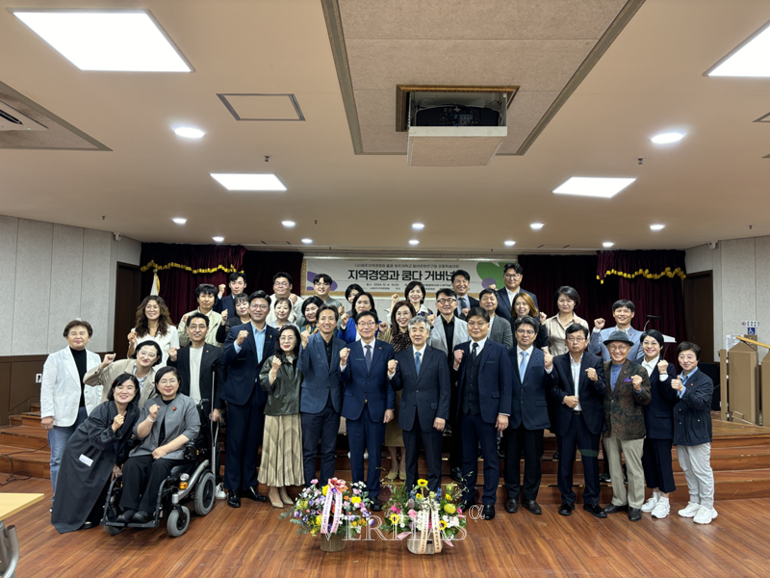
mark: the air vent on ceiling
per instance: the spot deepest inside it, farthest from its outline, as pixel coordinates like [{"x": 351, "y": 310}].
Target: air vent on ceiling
[
  {"x": 264, "y": 107},
  {"x": 764, "y": 118},
  {"x": 12, "y": 119},
  {"x": 552, "y": 247}
]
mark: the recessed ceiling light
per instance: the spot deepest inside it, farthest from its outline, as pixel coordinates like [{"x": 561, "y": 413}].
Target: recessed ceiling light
[
  {"x": 218, "y": 239},
  {"x": 607, "y": 244},
  {"x": 289, "y": 224},
  {"x": 593, "y": 186},
  {"x": 418, "y": 226},
  {"x": 249, "y": 181},
  {"x": 414, "y": 242},
  {"x": 189, "y": 132},
  {"x": 536, "y": 226},
  {"x": 509, "y": 243},
  {"x": 179, "y": 220},
  {"x": 117, "y": 40},
  {"x": 307, "y": 241},
  {"x": 667, "y": 137},
  {"x": 657, "y": 227},
  {"x": 748, "y": 59}
]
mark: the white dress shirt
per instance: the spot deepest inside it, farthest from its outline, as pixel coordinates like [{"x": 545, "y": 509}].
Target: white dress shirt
[
  {"x": 480, "y": 344},
  {"x": 512, "y": 295},
  {"x": 650, "y": 367},
  {"x": 196, "y": 354},
  {"x": 575, "y": 366}
]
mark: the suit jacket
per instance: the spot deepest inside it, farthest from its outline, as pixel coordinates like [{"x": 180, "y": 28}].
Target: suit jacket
[
  {"x": 591, "y": 394},
  {"x": 494, "y": 380},
  {"x": 623, "y": 413},
  {"x": 60, "y": 387},
  {"x": 501, "y": 332},
  {"x": 530, "y": 397},
  {"x": 368, "y": 386},
  {"x": 226, "y": 304},
  {"x": 658, "y": 414},
  {"x": 472, "y": 303},
  {"x": 211, "y": 368},
  {"x": 244, "y": 368},
  {"x": 504, "y": 304},
  {"x": 428, "y": 394},
  {"x": 215, "y": 321},
  {"x": 437, "y": 337},
  {"x": 597, "y": 347},
  {"x": 692, "y": 417},
  {"x": 180, "y": 417},
  {"x": 225, "y": 328},
  {"x": 321, "y": 378},
  {"x": 101, "y": 379}
]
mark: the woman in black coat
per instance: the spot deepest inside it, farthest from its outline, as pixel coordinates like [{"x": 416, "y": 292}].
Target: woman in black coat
[{"x": 93, "y": 456}]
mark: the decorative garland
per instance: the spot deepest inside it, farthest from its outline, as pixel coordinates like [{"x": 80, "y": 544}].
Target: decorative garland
[
  {"x": 154, "y": 265},
  {"x": 667, "y": 272},
  {"x": 330, "y": 525}
]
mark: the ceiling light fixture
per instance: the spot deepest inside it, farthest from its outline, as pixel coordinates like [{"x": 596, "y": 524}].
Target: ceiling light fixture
[
  {"x": 605, "y": 187},
  {"x": 307, "y": 241},
  {"x": 218, "y": 239},
  {"x": 189, "y": 132},
  {"x": 749, "y": 58},
  {"x": 536, "y": 226},
  {"x": 249, "y": 181},
  {"x": 418, "y": 226},
  {"x": 607, "y": 244},
  {"x": 109, "y": 40},
  {"x": 509, "y": 243},
  {"x": 657, "y": 227},
  {"x": 288, "y": 224},
  {"x": 667, "y": 137},
  {"x": 179, "y": 220},
  {"x": 414, "y": 242}
]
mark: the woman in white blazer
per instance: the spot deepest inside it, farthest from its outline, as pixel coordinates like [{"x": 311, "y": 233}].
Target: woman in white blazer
[{"x": 64, "y": 402}]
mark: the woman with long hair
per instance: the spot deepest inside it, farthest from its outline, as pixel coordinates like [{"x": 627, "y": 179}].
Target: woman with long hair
[{"x": 153, "y": 321}]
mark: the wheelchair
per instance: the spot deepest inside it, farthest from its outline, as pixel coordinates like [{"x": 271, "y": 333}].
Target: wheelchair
[{"x": 193, "y": 481}]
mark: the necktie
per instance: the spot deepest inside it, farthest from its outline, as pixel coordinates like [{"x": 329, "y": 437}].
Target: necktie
[
  {"x": 475, "y": 350},
  {"x": 462, "y": 303},
  {"x": 523, "y": 365},
  {"x": 417, "y": 362},
  {"x": 368, "y": 356}
]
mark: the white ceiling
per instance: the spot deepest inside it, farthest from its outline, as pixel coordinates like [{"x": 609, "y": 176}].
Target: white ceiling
[{"x": 711, "y": 186}]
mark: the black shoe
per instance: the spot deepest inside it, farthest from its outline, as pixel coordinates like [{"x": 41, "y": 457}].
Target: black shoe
[
  {"x": 125, "y": 517},
  {"x": 532, "y": 506},
  {"x": 376, "y": 505},
  {"x": 456, "y": 474},
  {"x": 613, "y": 509},
  {"x": 87, "y": 526},
  {"x": 512, "y": 506},
  {"x": 596, "y": 510},
  {"x": 566, "y": 509},
  {"x": 634, "y": 514},
  {"x": 465, "y": 505},
  {"x": 253, "y": 494},
  {"x": 556, "y": 456},
  {"x": 605, "y": 477},
  {"x": 489, "y": 512},
  {"x": 141, "y": 517},
  {"x": 233, "y": 499}
]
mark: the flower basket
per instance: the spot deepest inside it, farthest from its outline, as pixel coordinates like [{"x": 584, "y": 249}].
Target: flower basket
[
  {"x": 414, "y": 542},
  {"x": 332, "y": 543}
]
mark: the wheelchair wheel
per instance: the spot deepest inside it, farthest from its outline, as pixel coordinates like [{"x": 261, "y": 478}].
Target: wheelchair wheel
[
  {"x": 178, "y": 521},
  {"x": 113, "y": 530},
  {"x": 205, "y": 494}
]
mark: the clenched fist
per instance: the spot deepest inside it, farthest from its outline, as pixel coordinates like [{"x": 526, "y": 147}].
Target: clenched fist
[
  {"x": 242, "y": 335},
  {"x": 383, "y": 326},
  {"x": 599, "y": 323},
  {"x": 172, "y": 351},
  {"x": 154, "y": 411},
  {"x": 184, "y": 319},
  {"x": 276, "y": 363},
  {"x": 662, "y": 366},
  {"x": 465, "y": 311},
  {"x": 132, "y": 338},
  {"x": 224, "y": 315},
  {"x": 592, "y": 375},
  {"x": 117, "y": 422},
  {"x": 431, "y": 319},
  {"x": 344, "y": 319},
  {"x": 543, "y": 317},
  {"x": 570, "y": 401},
  {"x": 305, "y": 336},
  {"x": 222, "y": 288},
  {"x": 458, "y": 358},
  {"x": 548, "y": 358},
  {"x": 677, "y": 384},
  {"x": 344, "y": 355},
  {"x": 636, "y": 381},
  {"x": 109, "y": 358},
  {"x": 392, "y": 365}
]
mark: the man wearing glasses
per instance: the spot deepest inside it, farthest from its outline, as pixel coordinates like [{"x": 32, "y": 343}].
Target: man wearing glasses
[
  {"x": 513, "y": 274},
  {"x": 322, "y": 285},
  {"x": 579, "y": 387},
  {"x": 282, "y": 286}
]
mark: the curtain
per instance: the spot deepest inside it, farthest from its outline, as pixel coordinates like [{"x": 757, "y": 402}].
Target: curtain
[
  {"x": 260, "y": 266},
  {"x": 642, "y": 264}
]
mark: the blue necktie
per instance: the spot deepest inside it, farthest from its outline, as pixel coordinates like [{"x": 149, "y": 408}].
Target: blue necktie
[
  {"x": 417, "y": 362},
  {"x": 523, "y": 366},
  {"x": 368, "y": 357}
]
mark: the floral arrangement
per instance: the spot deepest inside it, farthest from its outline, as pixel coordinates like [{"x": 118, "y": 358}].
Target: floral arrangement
[
  {"x": 425, "y": 512},
  {"x": 336, "y": 508}
]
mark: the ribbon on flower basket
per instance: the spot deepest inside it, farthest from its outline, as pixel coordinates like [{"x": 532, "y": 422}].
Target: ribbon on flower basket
[
  {"x": 436, "y": 521},
  {"x": 333, "y": 494},
  {"x": 428, "y": 519}
]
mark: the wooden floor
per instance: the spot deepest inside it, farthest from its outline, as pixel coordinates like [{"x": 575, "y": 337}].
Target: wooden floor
[{"x": 251, "y": 541}]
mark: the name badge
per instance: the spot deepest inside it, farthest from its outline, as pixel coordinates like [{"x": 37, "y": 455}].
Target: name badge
[{"x": 86, "y": 460}]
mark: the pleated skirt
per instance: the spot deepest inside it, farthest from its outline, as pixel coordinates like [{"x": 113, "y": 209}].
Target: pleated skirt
[{"x": 282, "y": 452}]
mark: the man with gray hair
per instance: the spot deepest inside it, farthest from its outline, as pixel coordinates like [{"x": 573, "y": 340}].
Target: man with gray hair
[{"x": 422, "y": 373}]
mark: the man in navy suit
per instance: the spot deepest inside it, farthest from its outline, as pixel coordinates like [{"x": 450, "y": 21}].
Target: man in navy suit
[
  {"x": 246, "y": 348},
  {"x": 320, "y": 402},
  {"x": 513, "y": 273},
  {"x": 461, "y": 282},
  {"x": 579, "y": 388},
  {"x": 423, "y": 374},
  {"x": 529, "y": 416},
  {"x": 237, "y": 282},
  {"x": 482, "y": 372},
  {"x": 368, "y": 402}
]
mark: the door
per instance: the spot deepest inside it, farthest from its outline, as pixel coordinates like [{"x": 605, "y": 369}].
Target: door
[
  {"x": 699, "y": 312},
  {"x": 128, "y": 296}
]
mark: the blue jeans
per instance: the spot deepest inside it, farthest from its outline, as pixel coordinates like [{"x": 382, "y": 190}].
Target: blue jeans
[{"x": 57, "y": 439}]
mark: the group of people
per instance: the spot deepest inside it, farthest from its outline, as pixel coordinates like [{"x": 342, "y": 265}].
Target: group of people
[{"x": 493, "y": 372}]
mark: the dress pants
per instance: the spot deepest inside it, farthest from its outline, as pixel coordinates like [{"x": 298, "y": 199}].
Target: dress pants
[
  {"x": 366, "y": 434},
  {"x": 530, "y": 443},
  {"x": 142, "y": 477},
  {"x": 632, "y": 450},
  {"x": 323, "y": 425},
  {"x": 432, "y": 440},
  {"x": 578, "y": 437},
  {"x": 245, "y": 425},
  {"x": 477, "y": 432},
  {"x": 656, "y": 461},
  {"x": 696, "y": 465},
  {"x": 456, "y": 445}
]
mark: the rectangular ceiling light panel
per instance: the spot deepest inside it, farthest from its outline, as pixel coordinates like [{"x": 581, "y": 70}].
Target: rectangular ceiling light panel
[
  {"x": 593, "y": 186},
  {"x": 112, "y": 40},
  {"x": 249, "y": 181},
  {"x": 749, "y": 59}
]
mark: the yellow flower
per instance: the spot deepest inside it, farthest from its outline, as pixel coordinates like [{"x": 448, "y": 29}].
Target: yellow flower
[
  {"x": 325, "y": 489},
  {"x": 394, "y": 518},
  {"x": 442, "y": 525},
  {"x": 318, "y": 520},
  {"x": 450, "y": 508},
  {"x": 422, "y": 483},
  {"x": 355, "y": 500}
]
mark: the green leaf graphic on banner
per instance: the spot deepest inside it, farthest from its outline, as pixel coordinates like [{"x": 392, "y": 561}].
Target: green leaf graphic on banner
[{"x": 490, "y": 274}]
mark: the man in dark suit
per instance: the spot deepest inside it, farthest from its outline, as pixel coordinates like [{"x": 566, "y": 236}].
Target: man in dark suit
[
  {"x": 320, "y": 402},
  {"x": 482, "y": 373},
  {"x": 529, "y": 416},
  {"x": 246, "y": 348},
  {"x": 513, "y": 273},
  {"x": 579, "y": 389},
  {"x": 461, "y": 282},
  {"x": 369, "y": 401},
  {"x": 237, "y": 282},
  {"x": 423, "y": 374}
]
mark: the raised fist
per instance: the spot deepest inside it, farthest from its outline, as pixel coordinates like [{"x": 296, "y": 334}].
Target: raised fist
[
  {"x": 172, "y": 351},
  {"x": 109, "y": 358},
  {"x": 395, "y": 297},
  {"x": 224, "y": 315},
  {"x": 344, "y": 319},
  {"x": 662, "y": 366},
  {"x": 222, "y": 287},
  {"x": 548, "y": 358},
  {"x": 636, "y": 381},
  {"x": 293, "y": 298},
  {"x": 276, "y": 363},
  {"x": 592, "y": 375},
  {"x": 543, "y": 317},
  {"x": 677, "y": 384},
  {"x": 599, "y": 323},
  {"x": 184, "y": 318},
  {"x": 305, "y": 335},
  {"x": 132, "y": 338},
  {"x": 431, "y": 319},
  {"x": 117, "y": 422},
  {"x": 242, "y": 335},
  {"x": 392, "y": 364},
  {"x": 383, "y": 326},
  {"x": 465, "y": 311},
  {"x": 344, "y": 355},
  {"x": 154, "y": 409},
  {"x": 493, "y": 286},
  {"x": 458, "y": 356},
  {"x": 341, "y": 310}
]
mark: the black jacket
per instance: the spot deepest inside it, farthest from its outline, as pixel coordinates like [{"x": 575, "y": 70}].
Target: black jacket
[
  {"x": 210, "y": 366},
  {"x": 427, "y": 395},
  {"x": 658, "y": 414},
  {"x": 692, "y": 413},
  {"x": 591, "y": 394}
]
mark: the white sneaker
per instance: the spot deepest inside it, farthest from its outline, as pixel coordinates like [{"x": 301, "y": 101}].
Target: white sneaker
[
  {"x": 221, "y": 494},
  {"x": 661, "y": 510},
  {"x": 650, "y": 504},
  {"x": 705, "y": 515},
  {"x": 690, "y": 510}
]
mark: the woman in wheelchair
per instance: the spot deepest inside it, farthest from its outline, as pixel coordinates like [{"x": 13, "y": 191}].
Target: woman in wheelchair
[
  {"x": 164, "y": 428},
  {"x": 92, "y": 457}
]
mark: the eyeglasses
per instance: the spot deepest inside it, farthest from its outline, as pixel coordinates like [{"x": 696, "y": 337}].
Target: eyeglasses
[
  {"x": 259, "y": 306},
  {"x": 477, "y": 324},
  {"x": 281, "y": 284},
  {"x": 575, "y": 339},
  {"x": 322, "y": 284},
  {"x": 289, "y": 339},
  {"x": 512, "y": 276},
  {"x": 619, "y": 348},
  {"x": 366, "y": 324},
  {"x": 525, "y": 331},
  {"x": 446, "y": 301}
]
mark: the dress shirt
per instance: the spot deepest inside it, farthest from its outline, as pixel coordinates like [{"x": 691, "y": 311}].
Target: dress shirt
[
  {"x": 512, "y": 295},
  {"x": 215, "y": 320},
  {"x": 363, "y": 348},
  {"x": 614, "y": 373},
  {"x": 462, "y": 303},
  {"x": 196, "y": 354},
  {"x": 420, "y": 351},
  {"x": 683, "y": 378},
  {"x": 529, "y": 351},
  {"x": 480, "y": 343},
  {"x": 650, "y": 367},
  {"x": 259, "y": 339},
  {"x": 575, "y": 366}
]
